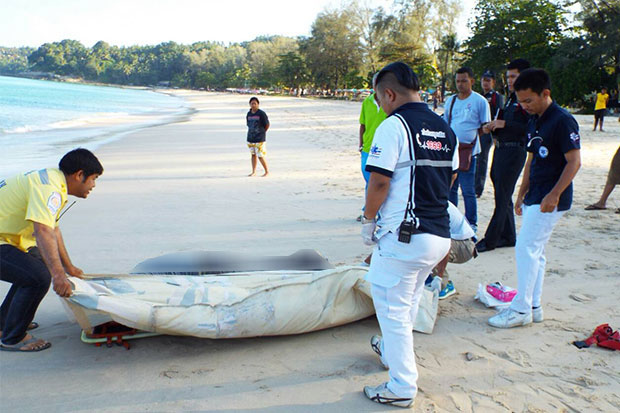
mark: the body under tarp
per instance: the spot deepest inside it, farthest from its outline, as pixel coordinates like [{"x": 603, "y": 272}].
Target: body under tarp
[
  {"x": 224, "y": 306},
  {"x": 207, "y": 294}
]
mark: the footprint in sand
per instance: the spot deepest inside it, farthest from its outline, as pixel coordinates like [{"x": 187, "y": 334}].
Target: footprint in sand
[{"x": 582, "y": 298}]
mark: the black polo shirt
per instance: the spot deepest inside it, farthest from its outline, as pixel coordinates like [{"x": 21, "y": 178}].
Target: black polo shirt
[{"x": 550, "y": 136}]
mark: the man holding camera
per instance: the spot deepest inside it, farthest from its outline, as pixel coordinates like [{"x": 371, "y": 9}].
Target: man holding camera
[{"x": 412, "y": 163}]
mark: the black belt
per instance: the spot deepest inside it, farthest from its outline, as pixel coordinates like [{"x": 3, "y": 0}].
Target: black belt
[{"x": 507, "y": 144}]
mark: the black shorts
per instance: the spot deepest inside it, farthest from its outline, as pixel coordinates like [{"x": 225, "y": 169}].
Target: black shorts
[{"x": 599, "y": 114}]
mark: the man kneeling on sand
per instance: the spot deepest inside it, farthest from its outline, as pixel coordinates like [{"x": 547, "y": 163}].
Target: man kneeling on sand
[{"x": 32, "y": 251}]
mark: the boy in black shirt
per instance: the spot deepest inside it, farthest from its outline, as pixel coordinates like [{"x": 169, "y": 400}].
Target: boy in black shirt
[{"x": 258, "y": 124}]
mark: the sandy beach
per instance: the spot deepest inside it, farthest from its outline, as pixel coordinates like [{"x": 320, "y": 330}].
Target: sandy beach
[{"x": 184, "y": 186}]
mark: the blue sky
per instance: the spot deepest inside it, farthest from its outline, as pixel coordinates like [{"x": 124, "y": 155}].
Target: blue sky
[{"x": 129, "y": 22}]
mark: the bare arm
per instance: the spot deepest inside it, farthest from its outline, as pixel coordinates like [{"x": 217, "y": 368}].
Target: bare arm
[
  {"x": 573, "y": 163},
  {"x": 267, "y": 127},
  {"x": 362, "y": 130},
  {"x": 378, "y": 187},
  {"x": 64, "y": 256},
  {"x": 525, "y": 184},
  {"x": 48, "y": 245}
]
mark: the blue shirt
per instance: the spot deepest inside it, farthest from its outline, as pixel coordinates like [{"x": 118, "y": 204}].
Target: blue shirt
[
  {"x": 550, "y": 136},
  {"x": 467, "y": 117}
]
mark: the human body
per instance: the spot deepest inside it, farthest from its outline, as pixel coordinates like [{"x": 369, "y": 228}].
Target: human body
[
  {"x": 613, "y": 179},
  {"x": 258, "y": 124},
  {"x": 371, "y": 117},
  {"x": 496, "y": 102},
  {"x": 32, "y": 250},
  {"x": 462, "y": 249},
  {"x": 509, "y": 131},
  {"x": 600, "y": 107},
  {"x": 545, "y": 194},
  {"x": 466, "y": 112},
  {"x": 412, "y": 140}
]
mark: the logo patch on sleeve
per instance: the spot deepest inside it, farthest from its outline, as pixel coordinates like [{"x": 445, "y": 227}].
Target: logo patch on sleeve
[
  {"x": 375, "y": 151},
  {"x": 574, "y": 136},
  {"x": 54, "y": 202},
  {"x": 543, "y": 151}
]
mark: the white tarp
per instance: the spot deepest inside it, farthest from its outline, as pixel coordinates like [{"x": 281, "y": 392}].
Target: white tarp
[{"x": 236, "y": 305}]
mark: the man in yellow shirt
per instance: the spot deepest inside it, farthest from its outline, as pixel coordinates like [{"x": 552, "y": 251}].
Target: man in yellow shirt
[
  {"x": 371, "y": 117},
  {"x": 32, "y": 251},
  {"x": 600, "y": 108}
]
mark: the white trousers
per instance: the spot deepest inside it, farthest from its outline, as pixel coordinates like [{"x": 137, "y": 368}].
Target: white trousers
[
  {"x": 536, "y": 229},
  {"x": 397, "y": 304}
]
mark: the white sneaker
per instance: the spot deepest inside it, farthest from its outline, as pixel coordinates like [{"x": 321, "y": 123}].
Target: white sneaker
[
  {"x": 508, "y": 318},
  {"x": 381, "y": 394},
  {"x": 376, "y": 342},
  {"x": 537, "y": 315}
]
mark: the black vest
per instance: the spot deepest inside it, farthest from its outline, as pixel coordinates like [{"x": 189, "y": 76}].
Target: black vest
[{"x": 433, "y": 143}]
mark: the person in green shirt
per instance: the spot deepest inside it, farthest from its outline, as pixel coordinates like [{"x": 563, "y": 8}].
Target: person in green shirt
[{"x": 371, "y": 117}]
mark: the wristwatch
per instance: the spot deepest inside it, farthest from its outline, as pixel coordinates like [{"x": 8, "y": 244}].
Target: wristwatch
[{"x": 367, "y": 220}]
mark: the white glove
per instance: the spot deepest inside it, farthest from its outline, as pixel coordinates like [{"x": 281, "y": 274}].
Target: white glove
[{"x": 368, "y": 232}]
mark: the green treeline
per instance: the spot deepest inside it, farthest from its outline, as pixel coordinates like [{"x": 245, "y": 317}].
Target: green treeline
[{"x": 577, "y": 41}]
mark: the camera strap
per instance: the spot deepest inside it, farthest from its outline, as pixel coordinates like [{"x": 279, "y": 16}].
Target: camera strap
[{"x": 409, "y": 208}]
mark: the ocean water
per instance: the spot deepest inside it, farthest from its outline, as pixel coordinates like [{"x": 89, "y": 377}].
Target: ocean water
[{"x": 41, "y": 120}]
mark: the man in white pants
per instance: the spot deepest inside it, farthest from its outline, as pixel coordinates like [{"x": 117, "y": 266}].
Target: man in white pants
[
  {"x": 412, "y": 163},
  {"x": 546, "y": 192}
]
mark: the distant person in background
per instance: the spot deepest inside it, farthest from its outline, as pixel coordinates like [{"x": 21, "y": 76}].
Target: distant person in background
[
  {"x": 509, "y": 133},
  {"x": 466, "y": 112},
  {"x": 32, "y": 250},
  {"x": 436, "y": 98},
  {"x": 613, "y": 179},
  {"x": 496, "y": 101},
  {"x": 600, "y": 108},
  {"x": 258, "y": 124},
  {"x": 371, "y": 117}
]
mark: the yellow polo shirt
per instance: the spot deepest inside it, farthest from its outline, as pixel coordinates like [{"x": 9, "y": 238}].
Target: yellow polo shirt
[
  {"x": 36, "y": 196},
  {"x": 601, "y": 101}
]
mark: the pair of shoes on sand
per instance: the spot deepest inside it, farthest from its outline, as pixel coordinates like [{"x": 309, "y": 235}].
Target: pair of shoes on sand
[
  {"x": 381, "y": 394},
  {"x": 509, "y": 318}
]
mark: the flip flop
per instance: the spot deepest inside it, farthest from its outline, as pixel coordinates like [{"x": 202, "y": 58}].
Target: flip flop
[
  {"x": 618, "y": 211},
  {"x": 594, "y": 208},
  {"x": 18, "y": 346}
]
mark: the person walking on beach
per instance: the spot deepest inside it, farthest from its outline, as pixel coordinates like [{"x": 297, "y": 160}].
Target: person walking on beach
[
  {"x": 466, "y": 112},
  {"x": 508, "y": 160},
  {"x": 371, "y": 117},
  {"x": 258, "y": 124},
  {"x": 412, "y": 233},
  {"x": 32, "y": 250},
  {"x": 546, "y": 192},
  {"x": 496, "y": 101},
  {"x": 600, "y": 108}
]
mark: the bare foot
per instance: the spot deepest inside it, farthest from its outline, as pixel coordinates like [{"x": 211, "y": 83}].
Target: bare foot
[
  {"x": 265, "y": 174},
  {"x": 252, "y": 174}
]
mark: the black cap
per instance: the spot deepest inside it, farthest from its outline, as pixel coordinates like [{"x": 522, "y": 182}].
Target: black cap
[{"x": 489, "y": 73}]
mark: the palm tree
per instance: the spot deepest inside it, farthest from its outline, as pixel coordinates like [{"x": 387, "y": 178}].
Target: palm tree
[{"x": 450, "y": 46}]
